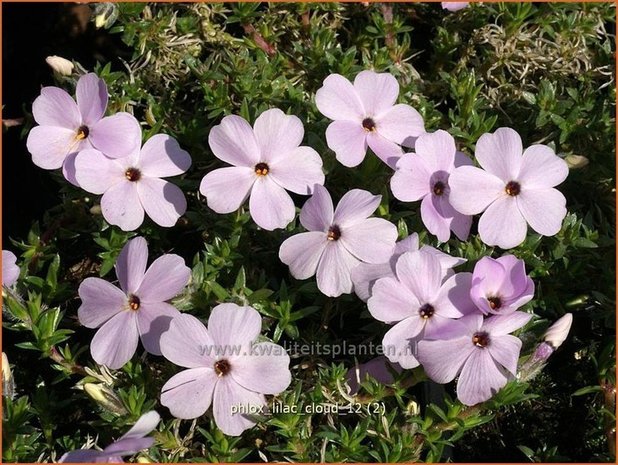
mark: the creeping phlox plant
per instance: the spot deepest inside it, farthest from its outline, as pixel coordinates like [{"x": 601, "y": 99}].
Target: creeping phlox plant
[{"x": 344, "y": 200}]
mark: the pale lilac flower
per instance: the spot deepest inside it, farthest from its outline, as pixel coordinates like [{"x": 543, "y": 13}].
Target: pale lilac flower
[
  {"x": 420, "y": 302},
  {"x": 226, "y": 367},
  {"x": 484, "y": 353},
  {"x": 501, "y": 285},
  {"x": 10, "y": 270},
  {"x": 379, "y": 369},
  {"x": 365, "y": 114},
  {"x": 454, "y": 6},
  {"x": 133, "y": 184},
  {"x": 132, "y": 442},
  {"x": 424, "y": 175},
  {"x": 66, "y": 127},
  {"x": 267, "y": 160},
  {"x": 338, "y": 241},
  {"x": 512, "y": 190},
  {"x": 558, "y": 332},
  {"x": 139, "y": 310},
  {"x": 365, "y": 275}
]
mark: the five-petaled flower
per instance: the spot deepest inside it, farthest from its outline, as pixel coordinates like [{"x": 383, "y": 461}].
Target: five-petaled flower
[
  {"x": 267, "y": 160},
  {"x": 133, "y": 184},
  {"x": 226, "y": 367},
  {"x": 337, "y": 241},
  {"x": 365, "y": 114},
  {"x": 66, "y": 127},
  {"x": 139, "y": 310},
  {"x": 425, "y": 175},
  {"x": 484, "y": 355},
  {"x": 512, "y": 189}
]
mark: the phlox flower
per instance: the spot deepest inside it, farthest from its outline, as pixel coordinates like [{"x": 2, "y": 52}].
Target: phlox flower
[
  {"x": 130, "y": 443},
  {"x": 420, "y": 302},
  {"x": 484, "y": 355},
  {"x": 379, "y": 369},
  {"x": 454, "y": 6},
  {"x": 424, "y": 175},
  {"x": 226, "y": 367},
  {"x": 337, "y": 241},
  {"x": 133, "y": 184},
  {"x": 10, "y": 270},
  {"x": 512, "y": 189},
  {"x": 67, "y": 126},
  {"x": 365, "y": 114},
  {"x": 365, "y": 275},
  {"x": 138, "y": 310},
  {"x": 501, "y": 285},
  {"x": 267, "y": 160}
]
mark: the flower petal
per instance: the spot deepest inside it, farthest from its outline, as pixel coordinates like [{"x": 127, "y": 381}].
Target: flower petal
[
  {"x": 337, "y": 99},
  {"x": 421, "y": 273},
  {"x": 453, "y": 300},
  {"x": 442, "y": 360},
  {"x": 10, "y": 271},
  {"x": 266, "y": 370},
  {"x": 399, "y": 343},
  {"x": 505, "y": 350},
  {"x": 100, "y": 302},
  {"x": 226, "y": 189},
  {"x": 317, "y": 212},
  {"x": 371, "y": 240},
  {"x": 189, "y": 393},
  {"x": 480, "y": 378},
  {"x": 116, "y": 136},
  {"x": 543, "y": 209},
  {"x": 163, "y": 201},
  {"x": 433, "y": 219},
  {"x": 84, "y": 456},
  {"x": 334, "y": 270},
  {"x": 187, "y": 343},
  {"x": 411, "y": 180},
  {"x": 437, "y": 149},
  {"x": 116, "y": 341},
  {"x": 229, "y": 395},
  {"x": 500, "y": 153},
  {"x": 355, "y": 206},
  {"x": 55, "y": 107},
  {"x": 298, "y": 171},
  {"x": 387, "y": 151},
  {"x": 91, "y": 96},
  {"x": 50, "y": 145},
  {"x": 270, "y": 205},
  {"x": 95, "y": 173},
  {"x": 348, "y": 140},
  {"x": 128, "y": 446},
  {"x": 499, "y": 325},
  {"x": 302, "y": 253},
  {"x": 541, "y": 168},
  {"x": 277, "y": 134},
  {"x": 377, "y": 91},
  {"x": 473, "y": 190},
  {"x": 145, "y": 425},
  {"x": 400, "y": 124},
  {"x": 121, "y": 206},
  {"x": 161, "y": 156},
  {"x": 365, "y": 275},
  {"x": 164, "y": 279},
  {"x": 153, "y": 319},
  {"x": 502, "y": 224},
  {"x": 232, "y": 326},
  {"x": 391, "y": 301},
  {"x": 131, "y": 264},
  {"x": 234, "y": 142}
]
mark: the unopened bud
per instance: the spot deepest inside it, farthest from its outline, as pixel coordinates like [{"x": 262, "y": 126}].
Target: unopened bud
[
  {"x": 60, "y": 65},
  {"x": 576, "y": 162},
  {"x": 105, "y": 397},
  {"x": 558, "y": 332}
]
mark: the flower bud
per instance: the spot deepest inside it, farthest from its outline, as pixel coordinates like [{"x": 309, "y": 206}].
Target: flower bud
[
  {"x": 105, "y": 397},
  {"x": 558, "y": 332},
  {"x": 576, "y": 161},
  {"x": 60, "y": 65}
]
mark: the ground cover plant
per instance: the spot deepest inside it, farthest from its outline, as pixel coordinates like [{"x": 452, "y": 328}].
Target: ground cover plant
[{"x": 317, "y": 232}]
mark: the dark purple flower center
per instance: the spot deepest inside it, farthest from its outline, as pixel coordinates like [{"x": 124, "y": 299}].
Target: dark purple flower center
[
  {"x": 133, "y": 174},
  {"x": 512, "y": 188},
  {"x": 222, "y": 367},
  {"x": 494, "y": 302},
  {"x": 334, "y": 233},
  {"x": 134, "y": 302},
  {"x": 369, "y": 125},
  {"x": 438, "y": 188},
  {"x": 82, "y": 132},
  {"x": 480, "y": 339},
  {"x": 261, "y": 169},
  {"x": 426, "y": 311}
]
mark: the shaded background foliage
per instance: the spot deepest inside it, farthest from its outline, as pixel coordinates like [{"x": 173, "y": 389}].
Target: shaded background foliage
[{"x": 546, "y": 70}]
